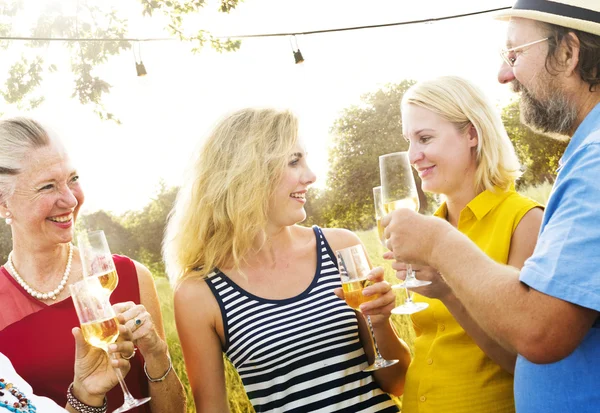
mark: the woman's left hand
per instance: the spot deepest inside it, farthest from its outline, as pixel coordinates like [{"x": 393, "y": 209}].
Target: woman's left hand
[
  {"x": 139, "y": 321},
  {"x": 94, "y": 369}
]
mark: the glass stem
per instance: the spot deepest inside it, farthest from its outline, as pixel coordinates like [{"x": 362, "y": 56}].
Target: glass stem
[
  {"x": 377, "y": 354},
  {"x": 409, "y": 275},
  {"x": 128, "y": 398}
]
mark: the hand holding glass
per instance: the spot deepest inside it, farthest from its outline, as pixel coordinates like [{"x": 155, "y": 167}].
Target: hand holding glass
[
  {"x": 96, "y": 259},
  {"x": 398, "y": 190},
  {"x": 99, "y": 326},
  {"x": 354, "y": 268}
]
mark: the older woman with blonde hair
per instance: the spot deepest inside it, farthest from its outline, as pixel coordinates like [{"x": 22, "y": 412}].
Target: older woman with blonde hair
[
  {"x": 253, "y": 284},
  {"x": 461, "y": 150}
]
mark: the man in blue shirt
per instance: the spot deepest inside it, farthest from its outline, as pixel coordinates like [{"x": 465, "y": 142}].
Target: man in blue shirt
[{"x": 548, "y": 312}]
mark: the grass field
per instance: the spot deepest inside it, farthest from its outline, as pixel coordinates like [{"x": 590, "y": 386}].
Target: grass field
[{"x": 238, "y": 402}]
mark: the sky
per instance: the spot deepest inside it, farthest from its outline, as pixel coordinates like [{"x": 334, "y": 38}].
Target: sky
[{"x": 166, "y": 114}]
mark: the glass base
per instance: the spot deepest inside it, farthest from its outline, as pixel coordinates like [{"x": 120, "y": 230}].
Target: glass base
[
  {"x": 380, "y": 363},
  {"x": 128, "y": 405},
  {"x": 411, "y": 283},
  {"x": 410, "y": 308}
]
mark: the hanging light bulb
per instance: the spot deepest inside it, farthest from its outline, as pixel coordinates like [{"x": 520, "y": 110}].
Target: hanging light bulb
[
  {"x": 298, "y": 58},
  {"x": 140, "y": 69}
]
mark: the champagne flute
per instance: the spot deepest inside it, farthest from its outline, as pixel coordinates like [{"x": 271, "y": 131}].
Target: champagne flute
[
  {"x": 96, "y": 259},
  {"x": 354, "y": 268},
  {"x": 379, "y": 213},
  {"x": 398, "y": 190},
  {"x": 99, "y": 326}
]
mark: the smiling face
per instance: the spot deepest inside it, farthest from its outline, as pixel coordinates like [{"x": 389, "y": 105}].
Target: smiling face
[
  {"x": 443, "y": 156},
  {"x": 286, "y": 206},
  {"x": 545, "y": 106},
  {"x": 47, "y": 198}
]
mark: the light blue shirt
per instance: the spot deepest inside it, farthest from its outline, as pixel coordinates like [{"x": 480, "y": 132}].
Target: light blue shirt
[{"x": 566, "y": 265}]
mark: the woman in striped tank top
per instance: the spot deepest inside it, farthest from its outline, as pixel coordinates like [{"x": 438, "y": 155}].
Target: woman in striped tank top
[{"x": 256, "y": 286}]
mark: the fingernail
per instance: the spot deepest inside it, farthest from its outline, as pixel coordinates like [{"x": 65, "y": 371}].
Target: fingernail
[{"x": 112, "y": 347}]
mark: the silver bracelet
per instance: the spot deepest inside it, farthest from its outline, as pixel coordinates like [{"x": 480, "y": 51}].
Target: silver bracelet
[
  {"x": 164, "y": 376},
  {"x": 82, "y": 407}
]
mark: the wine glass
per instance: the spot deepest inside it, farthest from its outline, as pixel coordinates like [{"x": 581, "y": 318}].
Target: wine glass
[
  {"x": 398, "y": 190},
  {"x": 96, "y": 259},
  {"x": 354, "y": 268},
  {"x": 99, "y": 326},
  {"x": 379, "y": 213}
]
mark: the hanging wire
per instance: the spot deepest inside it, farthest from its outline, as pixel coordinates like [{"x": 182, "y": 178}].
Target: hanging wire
[{"x": 246, "y": 36}]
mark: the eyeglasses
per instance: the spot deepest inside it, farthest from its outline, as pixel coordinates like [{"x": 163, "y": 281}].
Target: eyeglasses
[{"x": 510, "y": 55}]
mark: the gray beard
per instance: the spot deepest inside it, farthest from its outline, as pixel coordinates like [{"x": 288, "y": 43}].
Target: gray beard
[{"x": 555, "y": 116}]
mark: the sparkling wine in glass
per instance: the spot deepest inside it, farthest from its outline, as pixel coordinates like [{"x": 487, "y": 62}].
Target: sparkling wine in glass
[
  {"x": 96, "y": 259},
  {"x": 99, "y": 326},
  {"x": 398, "y": 190},
  {"x": 379, "y": 213},
  {"x": 354, "y": 268}
]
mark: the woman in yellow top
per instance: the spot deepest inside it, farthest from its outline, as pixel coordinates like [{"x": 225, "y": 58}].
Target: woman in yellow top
[{"x": 461, "y": 150}]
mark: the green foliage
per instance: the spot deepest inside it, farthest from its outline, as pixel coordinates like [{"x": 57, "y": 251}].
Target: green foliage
[
  {"x": 539, "y": 154},
  {"x": 361, "y": 134},
  {"x": 148, "y": 225},
  {"x": 93, "y": 20},
  {"x": 121, "y": 240},
  {"x": 175, "y": 11}
]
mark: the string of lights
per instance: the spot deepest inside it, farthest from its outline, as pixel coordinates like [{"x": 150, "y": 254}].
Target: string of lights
[{"x": 247, "y": 36}]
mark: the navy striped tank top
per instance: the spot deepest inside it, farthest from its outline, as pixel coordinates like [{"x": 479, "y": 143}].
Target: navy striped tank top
[{"x": 301, "y": 354}]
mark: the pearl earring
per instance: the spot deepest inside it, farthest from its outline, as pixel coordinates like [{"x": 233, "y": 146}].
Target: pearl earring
[{"x": 8, "y": 218}]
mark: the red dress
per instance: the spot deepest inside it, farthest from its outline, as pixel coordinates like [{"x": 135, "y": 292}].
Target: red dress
[{"x": 40, "y": 344}]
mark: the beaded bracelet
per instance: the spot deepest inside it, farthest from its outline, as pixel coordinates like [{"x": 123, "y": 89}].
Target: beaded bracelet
[
  {"x": 82, "y": 407},
  {"x": 163, "y": 376}
]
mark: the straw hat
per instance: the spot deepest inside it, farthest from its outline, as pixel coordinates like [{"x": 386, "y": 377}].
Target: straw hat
[{"x": 581, "y": 15}]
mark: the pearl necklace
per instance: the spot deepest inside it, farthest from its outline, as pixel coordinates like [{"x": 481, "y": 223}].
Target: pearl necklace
[{"x": 32, "y": 291}]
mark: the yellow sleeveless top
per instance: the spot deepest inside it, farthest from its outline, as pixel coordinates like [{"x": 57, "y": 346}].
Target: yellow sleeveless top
[{"x": 449, "y": 372}]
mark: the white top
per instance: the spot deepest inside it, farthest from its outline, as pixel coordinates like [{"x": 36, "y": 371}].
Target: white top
[{"x": 8, "y": 373}]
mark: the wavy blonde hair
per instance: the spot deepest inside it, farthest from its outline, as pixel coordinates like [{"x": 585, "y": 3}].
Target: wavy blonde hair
[
  {"x": 222, "y": 206},
  {"x": 464, "y": 104}
]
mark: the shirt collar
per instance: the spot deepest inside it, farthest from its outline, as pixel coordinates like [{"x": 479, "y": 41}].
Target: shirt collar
[
  {"x": 589, "y": 124},
  {"x": 481, "y": 204}
]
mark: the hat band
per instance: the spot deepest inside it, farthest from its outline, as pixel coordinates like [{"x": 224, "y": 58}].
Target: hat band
[{"x": 559, "y": 9}]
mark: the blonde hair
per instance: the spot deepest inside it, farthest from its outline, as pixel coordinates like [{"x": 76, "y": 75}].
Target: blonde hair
[
  {"x": 222, "y": 206},
  {"x": 464, "y": 104},
  {"x": 18, "y": 137}
]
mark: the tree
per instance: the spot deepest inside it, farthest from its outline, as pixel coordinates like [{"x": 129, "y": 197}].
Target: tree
[
  {"x": 361, "y": 135},
  {"x": 120, "y": 239},
  {"x": 539, "y": 154},
  {"x": 148, "y": 226},
  {"x": 92, "y": 19}
]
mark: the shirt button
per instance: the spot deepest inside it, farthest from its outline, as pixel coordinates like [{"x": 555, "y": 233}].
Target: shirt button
[
  {"x": 442, "y": 327},
  {"x": 429, "y": 361},
  {"x": 422, "y": 398}
]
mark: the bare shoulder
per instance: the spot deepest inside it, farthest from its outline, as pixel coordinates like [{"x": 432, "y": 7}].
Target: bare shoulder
[
  {"x": 193, "y": 296},
  {"x": 530, "y": 223},
  {"x": 339, "y": 238},
  {"x": 192, "y": 288}
]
